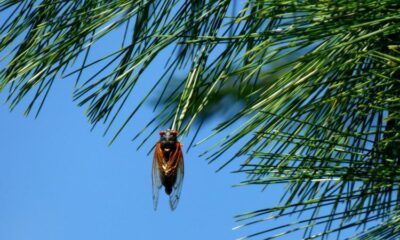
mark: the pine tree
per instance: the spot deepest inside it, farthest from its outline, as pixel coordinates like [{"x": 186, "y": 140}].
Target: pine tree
[{"x": 319, "y": 81}]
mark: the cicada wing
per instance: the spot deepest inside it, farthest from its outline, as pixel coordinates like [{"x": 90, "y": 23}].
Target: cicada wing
[
  {"x": 156, "y": 179},
  {"x": 177, "y": 188}
]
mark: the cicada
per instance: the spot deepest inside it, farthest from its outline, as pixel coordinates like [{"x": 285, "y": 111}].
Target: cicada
[{"x": 168, "y": 168}]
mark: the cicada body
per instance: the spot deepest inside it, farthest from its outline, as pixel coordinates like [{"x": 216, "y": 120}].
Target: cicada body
[{"x": 168, "y": 169}]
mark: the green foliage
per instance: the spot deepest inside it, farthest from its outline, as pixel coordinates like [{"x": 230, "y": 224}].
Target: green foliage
[{"x": 320, "y": 81}]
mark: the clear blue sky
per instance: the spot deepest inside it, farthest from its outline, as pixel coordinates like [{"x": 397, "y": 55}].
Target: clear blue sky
[{"x": 59, "y": 180}]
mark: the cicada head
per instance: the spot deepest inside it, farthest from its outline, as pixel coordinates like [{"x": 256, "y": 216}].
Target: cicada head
[{"x": 168, "y": 140}]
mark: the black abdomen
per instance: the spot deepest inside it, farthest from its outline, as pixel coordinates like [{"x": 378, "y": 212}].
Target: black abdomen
[{"x": 168, "y": 183}]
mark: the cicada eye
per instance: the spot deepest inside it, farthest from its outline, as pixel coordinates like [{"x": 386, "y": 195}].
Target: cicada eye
[
  {"x": 162, "y": 133},
  {"x": 173, "y": 132}
]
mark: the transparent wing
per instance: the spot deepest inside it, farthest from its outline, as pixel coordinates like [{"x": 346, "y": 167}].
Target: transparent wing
[
  {"x": 156, "y": 180},
  {"x": 177, "y": 188}
]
